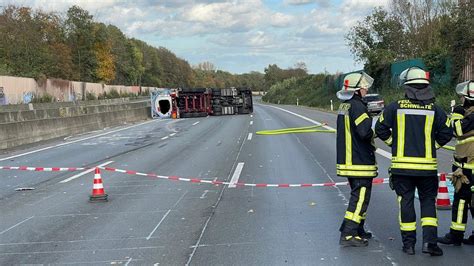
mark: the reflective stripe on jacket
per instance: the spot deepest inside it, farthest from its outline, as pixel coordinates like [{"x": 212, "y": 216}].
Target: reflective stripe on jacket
[
  {"x": 414, "y": 131},
  {"x": 355, "y": 149}
]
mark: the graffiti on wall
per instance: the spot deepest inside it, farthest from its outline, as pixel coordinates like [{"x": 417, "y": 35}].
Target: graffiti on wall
[
  {"x": 28, "y": 97},
  {"x": 3, "y": 97}
]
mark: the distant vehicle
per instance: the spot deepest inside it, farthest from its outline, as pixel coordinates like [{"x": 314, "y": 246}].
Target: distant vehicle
[{"x": 375, "y": 103}]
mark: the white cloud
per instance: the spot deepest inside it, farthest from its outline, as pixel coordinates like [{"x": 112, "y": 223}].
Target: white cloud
[
  {"x": 322, "y": 3},
  {"x": 299, "y": 2},
  {"x": 281, "y": 20}
]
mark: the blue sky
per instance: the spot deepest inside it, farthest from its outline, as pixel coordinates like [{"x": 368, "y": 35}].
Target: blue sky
[{"x": 236, "y": 36}]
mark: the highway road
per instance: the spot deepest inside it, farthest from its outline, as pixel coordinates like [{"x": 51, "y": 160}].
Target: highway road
[{"x": 151, "y": 221}]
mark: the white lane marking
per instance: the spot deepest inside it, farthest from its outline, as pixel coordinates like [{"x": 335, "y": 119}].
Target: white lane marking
[
  {"x": 179, "y": 200},
  {"x": 302, "y": 117},
  {"x": 6, "y": 230},
  {"x": 251, "y": 115},
  {"x": 215, "y": 204},
  {"x": 250, "y": 136},
  {"x": 196, "y": 123},
  {"x": 128, "y": 262},
  {"x": 251, "y": 122},
  {"x": 85, "y": 172},
  {"x": 163, "y": 138},
  {"x": 172, "y": 134},
  {"x": 75, "y": 141},
  {"x": 203, "y": 196},
  {"x": 379, "y": 151},
  {"x": 158, "y": 225},
  {"x": 236, "y": 175}
]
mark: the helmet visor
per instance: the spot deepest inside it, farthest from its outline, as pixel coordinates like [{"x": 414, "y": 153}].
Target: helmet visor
[
  {"x": 465, "y": 89},
  {"x": 365, "y": 81}
]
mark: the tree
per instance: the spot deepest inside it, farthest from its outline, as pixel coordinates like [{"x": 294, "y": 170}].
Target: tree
[
  {"x": 380, "y": 37},
  {"x": 206, "y": 66},
  {"x": 378, "y": 41},
  {"x": 105, "y": 68},
  {"x": 459, "y": 34},
  {"x": 80, "y": 34}
]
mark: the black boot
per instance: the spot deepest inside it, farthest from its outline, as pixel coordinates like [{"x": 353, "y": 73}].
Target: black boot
[
  {"x": 432, "y": 249},
  {"x": 469, "y": 240},
  {"x": 451, "y": 239},
  {"x": 353, "y": 241},
  {"x": 410, "y": 250},
  {"x": 361, "y": 231}
]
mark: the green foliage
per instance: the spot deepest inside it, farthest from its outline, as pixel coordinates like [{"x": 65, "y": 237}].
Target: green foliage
[
  {"x": 274, "y": 74},
  {"x": 439, "y": 32},
  {"x": 311, "y": 90},
  {"x": 90, "y": 96},
  {"x": 80, "y": 34},
  {"x": 45, "y": 98},
  {"x": 378, "y": 39},
  {"x": 113, "y": 93}
]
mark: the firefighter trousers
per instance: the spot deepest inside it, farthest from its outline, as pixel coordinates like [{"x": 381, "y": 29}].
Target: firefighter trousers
[
  {"x": 461, "y": 205},
  {"x": 357, "y": 210},
  {"x": 427, "y": 190}
]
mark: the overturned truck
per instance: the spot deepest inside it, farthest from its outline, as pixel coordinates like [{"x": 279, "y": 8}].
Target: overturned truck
[{"x": 199, "y": 102}]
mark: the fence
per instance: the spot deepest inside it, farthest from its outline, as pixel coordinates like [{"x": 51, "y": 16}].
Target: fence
[{"x": 468, "y": 71}]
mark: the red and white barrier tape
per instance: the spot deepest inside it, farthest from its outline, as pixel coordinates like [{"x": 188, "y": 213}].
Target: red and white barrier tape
[
  {"x": 215, "y": 182},
  {"x": 176, "y": 178},
  {"x": 45, "y": 169}
]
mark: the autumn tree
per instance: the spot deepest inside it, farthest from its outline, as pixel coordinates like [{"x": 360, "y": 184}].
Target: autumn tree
[{"x": 105, "y": 69}]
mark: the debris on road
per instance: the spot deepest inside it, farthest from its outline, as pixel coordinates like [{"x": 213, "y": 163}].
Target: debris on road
[{"x": 24, "y": 188}]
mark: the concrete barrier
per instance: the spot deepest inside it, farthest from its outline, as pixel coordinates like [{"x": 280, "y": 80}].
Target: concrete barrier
[
  {"x": 39, "y": 125},
  {"x": 68, "y": 111}
]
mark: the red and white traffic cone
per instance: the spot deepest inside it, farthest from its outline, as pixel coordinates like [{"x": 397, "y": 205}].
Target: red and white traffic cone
[
  {"x": 442, "y": 200},
  {"x": 98, "y": 193}
]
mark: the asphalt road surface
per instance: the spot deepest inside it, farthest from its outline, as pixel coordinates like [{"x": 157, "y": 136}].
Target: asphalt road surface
[{"x": 150, "y": 221}]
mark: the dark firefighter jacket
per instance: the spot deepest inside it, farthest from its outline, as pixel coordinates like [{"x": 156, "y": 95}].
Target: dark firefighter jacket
[
  {"x": 414, "y": 130},
  {"x": 355, "y": 151},
  {"x": 463, "y": 127}
]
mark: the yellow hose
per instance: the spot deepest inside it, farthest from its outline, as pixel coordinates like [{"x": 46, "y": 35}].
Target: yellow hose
[{"x": 310, "y": 129}]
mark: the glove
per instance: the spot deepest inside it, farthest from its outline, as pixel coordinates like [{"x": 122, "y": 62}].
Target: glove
[
  {"x": 458, "y": 178},
  {"x": 459, "y": 109}
]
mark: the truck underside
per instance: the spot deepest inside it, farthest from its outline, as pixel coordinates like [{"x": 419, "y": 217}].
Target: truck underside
[{"x": 198, "y": 102}]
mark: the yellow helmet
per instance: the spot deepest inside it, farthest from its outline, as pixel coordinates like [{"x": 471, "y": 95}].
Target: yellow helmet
[
  {"x": 466, "y": 89},
  {"x": 414, "y": 75},
  {"x": 353, "y": 82}
]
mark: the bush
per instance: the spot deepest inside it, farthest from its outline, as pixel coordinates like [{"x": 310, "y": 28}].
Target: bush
[
  {"x": 113, "y": 93},
  {"x": 90, "y": 96},
  {"x": 313, "y": 90},
  {"x": 45, "y": 98}
]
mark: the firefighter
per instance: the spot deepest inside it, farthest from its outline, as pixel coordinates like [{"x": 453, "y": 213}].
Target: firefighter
[
  {"x": 414, "y": 127},
  {"x": 355, "y": 156},
  {"x": 462, "y": 121}
]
